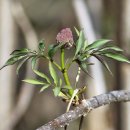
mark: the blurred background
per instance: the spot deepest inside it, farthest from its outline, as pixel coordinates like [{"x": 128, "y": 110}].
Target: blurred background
[{"x": 25, "y": 22}]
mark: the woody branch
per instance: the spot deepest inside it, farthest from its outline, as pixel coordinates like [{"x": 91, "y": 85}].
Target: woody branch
[{"x": 85, "y": 107}]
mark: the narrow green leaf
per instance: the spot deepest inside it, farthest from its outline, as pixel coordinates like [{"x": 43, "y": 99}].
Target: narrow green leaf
[
  {"x": 56, "y": 91},
  {"x": 108, "y": 49},
  {"x": 53, "y": 73},
  {"x": 84, "y": 67},
  {"x": 23, "y": 51},
  {"x": 97, "y": 44},
  {"x": 117, "y": 57},
  {"x": 12, "y": 61},
  {"x": 79, "y": 42},
  {"x": 33, "y": 81},
  {"x": 77, "y": 31},
  {"x": 44, "y": 87},
  {"x": 115, "y": 48},
  {"x": 41, "y": 45},
  {"x": 21, "y": 63},
  {"x": 104, "y": 63},
  {"x": 42, "y": 75},
  {"x": 34, "y": 61},
  {"x": 85, "y": 45},
  {"x": 53, "y": 49}
]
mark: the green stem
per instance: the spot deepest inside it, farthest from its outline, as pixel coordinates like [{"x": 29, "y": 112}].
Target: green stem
[{"x": 64, "y": 72}]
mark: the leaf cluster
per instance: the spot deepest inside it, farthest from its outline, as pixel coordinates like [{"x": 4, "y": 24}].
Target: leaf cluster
[{"x": 82, "y": 52}]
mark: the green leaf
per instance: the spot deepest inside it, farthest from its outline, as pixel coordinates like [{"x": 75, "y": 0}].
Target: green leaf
[
  {"x": 117, "y": 57},
  {"x": 56, "y": 91},
  {"x": 85, "y": 45},
  {"x": 79, "y": 42},
  {"x": 33, "y": 81},
  {"x": 41, "y": 45},
  {"x": 53, "y": 73},
  {"x": 21, "y": 63},
  {"x": 97, "y": 44},
  {"x": 44, "y": 87},
  {"x": 34, "y": 61},
  {"x": 42, "y": 75},
  {"x": 77, "y": 31},
  {"x": 53, "y": 49},
  {"x": 60, "y": 82},
  {"x": 23, "y": 51},
  {"x": 104, "y": 63},
  {"x": 84, "y": 67},
  {"x": 115, "y": 48},
  {"x": 12, "y": 61},
  {"x": 63, "y": 95}
]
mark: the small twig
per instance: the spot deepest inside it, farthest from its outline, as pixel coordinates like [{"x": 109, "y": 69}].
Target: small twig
[{"x": 85, "y": 107}]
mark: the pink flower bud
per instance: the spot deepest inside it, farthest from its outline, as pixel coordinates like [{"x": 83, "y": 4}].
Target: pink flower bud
[{"x": 65, "y": 36}]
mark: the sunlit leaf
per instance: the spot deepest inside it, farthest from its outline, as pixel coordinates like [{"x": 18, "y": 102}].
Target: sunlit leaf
[
  {"x": 53, "y": 73},
  {"x": 97, "y": 44},
  {"x": 56, "y": 91},
  {"x": 42, "y": 75},
  {"x": 118, "y": 57},
  {"x": 33, "y": 81},
  {"x": 44, "y": 87}
]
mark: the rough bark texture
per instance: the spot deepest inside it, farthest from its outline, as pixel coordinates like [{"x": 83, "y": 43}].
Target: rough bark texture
[{"x": 85, "y": 107}]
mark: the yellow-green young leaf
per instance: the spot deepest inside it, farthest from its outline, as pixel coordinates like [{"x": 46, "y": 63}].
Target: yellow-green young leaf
[
  {"x": 33, "y": 81},
  {"x": 56, "y": 91},
  {"x": 44, "y": 87},
  {"x": 79, "y": 42},
  {"x": 117, "y": 57},
  {"x": 53, "y": 73},
  {"x": 42, "y": 75},
  {"x": 97, "y": 44}
]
